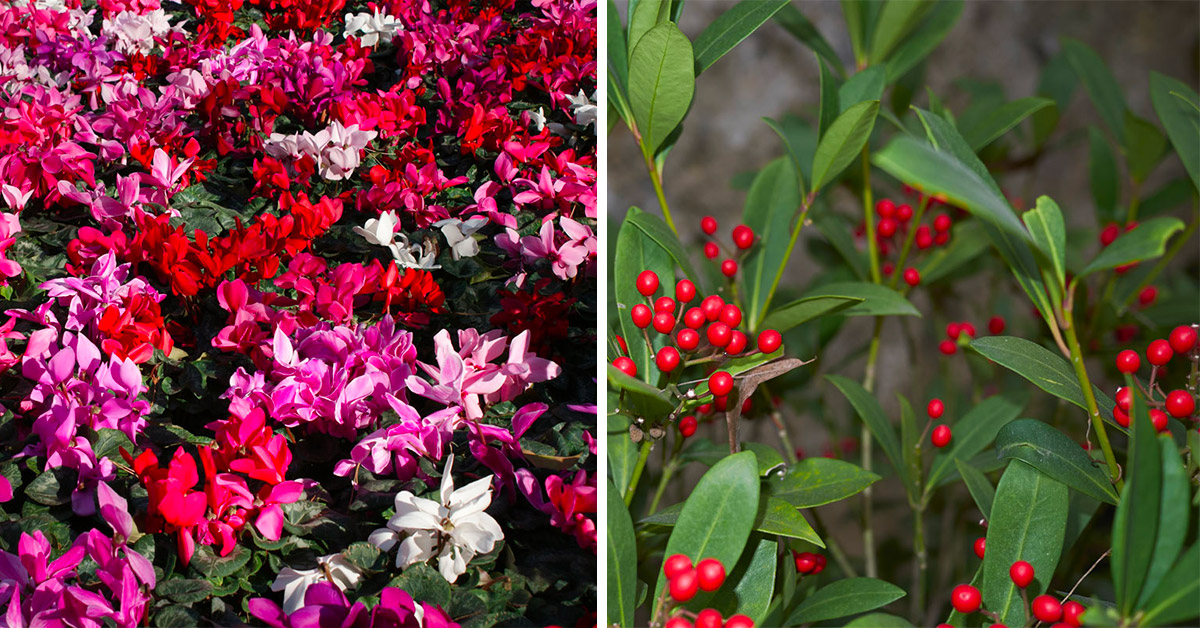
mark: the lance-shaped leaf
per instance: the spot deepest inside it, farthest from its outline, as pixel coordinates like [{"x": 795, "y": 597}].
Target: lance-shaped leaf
[
  {"x": 803, "y": 310},
  {"x": 871, "y": 413},
  {"x": 1055, "y": 454},
  {"x": 1137, "y": 518},
  {"x": 876, "y": 300},
  {"x": 770, "y": 206},
  {"x": 794, "y": 22},
  {"x": 841, "y": 598},
  {"x": 1045, "y": 224},
  {"x": 972, "y": 434},
  {"x": 1100, "y": 85},
  {"x": 1002, "y": 119},
  {"x": 925, "y": 39},
  {"x": 897, "y": 19},
  {"x": 635, "y": 252},
  {"x": 1177, "y": 599},
  {"x": 1173, "y": 519},
  {"x": 658, "y": 231},
  {"x": 731, "y": 27},
  {"x": 1146, "y": 241},
  {"x": 1102, "y": 173},
  {"x": 774, "y": 516},
  {"x": 865, "y": 85},
  {"x": 622, "y": 560},
  {"x": 980, "y": 488},
  {"x": 843, "y": 142},
  {"x": 644, "y": 398},
  {"x": 661, "y": 83},
  {"x": 1178, "y": 108},
  {"x": 755, "y": 578},
  {"x": 815, "y": 482}
]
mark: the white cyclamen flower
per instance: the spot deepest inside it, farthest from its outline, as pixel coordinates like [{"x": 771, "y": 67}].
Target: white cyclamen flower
[
  {"x": 583, "y": 108},
  {"x": 371, "y": 28},
  {"x": 453, "y": 530},
  {"x": 135, "y": 32},
  {"x": 458, "y": 235},
  {"x": 382, "y": 232},
  {"x": 332, "y": 568},
  {"x": 537, "y": 119}
]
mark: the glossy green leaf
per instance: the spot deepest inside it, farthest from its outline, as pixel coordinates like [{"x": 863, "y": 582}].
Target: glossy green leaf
[
  {"x": 1056, "y": 455},
  {"x": 793, "y": 314},
  {"x": 1177, "y": 599},
  {"x": 1146, "y": 241},
  {"x": 645, "y": 399},
  {"x": 1137, "y": 517},
  {"x": 925, "y": 39},
  {"x": 843, "y": 142},
  {"x": 841, "y": 598},
  {"x": 1100, "y": 84},
  {"x": 972, "y": 434},
  {"x": 1178, "y": 108},
  {"x": 661, "y": 83},
  {"x": 793, "y": 153},
  {"x": 658, "y": 231},
  {"x": 879, "y": 620},
  {"x": 871, "y": 413},
  {"x": 829, "y": 105},
  {"x": 719, "y": 514},
  {"x": 1145, "y": 146},
  {"x": 731, "y": 27},
  {"x": 866, "y": 85},
  {"x": 1171, "y": 195},
  {"x": 621, "y": 546},
  {"x": 618, "y": 48},
  {"x": 794, "y": 22},
  {"x": 1029, "y": 518},
  {"x": 1002, "y": 119},
  {"x": 815, "y": 482},
  {"x": 622, "y": 451},
  {"x": 853, "y": 11},
  {"x": 1044, "y": 368},
  {"x": 739, "y": 367},
  {"x": 897, "y": 19},
  {"x": 1102, "y": 173},
  {"x": 635, "y": 252},
  {"x": 877, "y": 300},
  {"x": 1173, "y": 519},
  {"x": 774, "y": 516},
  {"x": 755, "y": 578},
  {"x": 1057, "y": 81},
  {"x": 770, "y": 206},
  {"x": 769, "y": 459},
  {"x": 644, "y": 15},
  {"x": 1045, "y": 224},
  {"x": 980, "y": 488}
]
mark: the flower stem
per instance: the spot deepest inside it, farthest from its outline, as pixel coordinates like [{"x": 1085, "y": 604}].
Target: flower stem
[
  {"x": 637, "y": 472},
  {"x": 658, "y": 188},
  {"x": 872, "y": 355},
  {"x": 1086, "y": 384},
  {"x": 908, "y": 240}
]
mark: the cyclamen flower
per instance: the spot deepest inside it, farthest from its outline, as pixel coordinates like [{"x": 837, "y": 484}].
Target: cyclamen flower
[
  {"x": 568, "y": 504},
  {"x": 382, "y": 232},
  {"x": 453, "y": 531},
  {"x": 371, "y": 27},
  {"x": 583, "y": 108},
  {"x": 294, "y": 583},
  {"x": 458, "y": 235},
  {"x": 326, "y": 607},
  {"x": 135, "y": 32},
  {"x": 336, "y": 149}
]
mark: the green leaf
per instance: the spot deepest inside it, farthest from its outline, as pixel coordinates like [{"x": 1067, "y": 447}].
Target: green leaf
[
  {"x": 769, "y": 459},
  {"x": 876, "y": 300},
  {"x": 1145, "y": 146},
  {"x": 658, "y": 231},
  {"x": 1100, "y": 85},
  {"x": 1173, "y": 519},
  {"x": 980, "y": 488},
  {"x": 774, "y": 516},
  {"x": 661, "y": 83},
  {"x": 207, "y": 562},
  {"x": 176, "y": 616},
  {"x": 843, "y": 142},
  {"x": 1029, "y": 519},
  {"x": 1056, "y": 455},
  {"x": 815, "y": 482},
  {"x": 184, "y": 591},
  {"x": 622, "y": 451},
  {"x": 1057, "y": 82},
  {"x": 871, "y": 413},
  {"x": 1045, "y": 224},
  {"x": 53, "y": 487},
  {"x": 731, "y": 27},
  {"x": 1178, "y": 109},
  {"x": 794, "y": 22},
  {"x": 792, "y": 152},
  {"x": 793, "y": 314},
  {"x": 1102, "y": 171},
  {"x": 866, "y": 85},
  {"x": 424, "y": 584},
  {"x": 1045, "y": 369},
  {"x": 618, "y": 49},
  {"x": 1146, "y": 241},
  {"x": 1002, "y": 119},
  {"x": 645, "y": 399},
  {"x": 830, "y": 107},
  {"x": 897, "y": 19},
  {"x": 637, "y": 252},
  {"x": 925, "y": 39},
  {"x": 879, "y": 620},
  {"x": 853, "y": 11},
  {"x": 1137, "y": 518},
  {"x": 755, "y": 578},
  {"x": 719, "y": 514},
  {"x": 1177, "y": 599},
  {"x": 366, "y": 556},
  {"x": 770, "y": 206},
  {"x": 644, "y": 15},
  {"x": 622, "y": 560},
  {"x": 972, "y": 434},
  {"x": 845, "y": 597}
]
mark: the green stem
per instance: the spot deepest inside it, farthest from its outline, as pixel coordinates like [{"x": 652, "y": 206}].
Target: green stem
[
  {"x": 658, "y": 188},
  {"x": 808, "y": 201},
  {"x": 866, "y": 442},
  {"x": 869, "y": 214},
  {"x": 921, "y": 566},
  {"x": 669, "y": 468},
  {"x": 637, "y": 472},
  {"x": 1089, "y": 396},
  {"x": 908, "y": 240}
]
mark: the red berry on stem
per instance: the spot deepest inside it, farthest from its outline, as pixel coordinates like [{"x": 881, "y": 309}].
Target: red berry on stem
[
  {"x": 737, "y": 343},
  {"x": 676, "y": 564},
  {"x": 953, "y": 330},
  {"x": 941, "y": 238},
  {"x": 805, "y": 562},
  {"x": 729, "y": 268},
  {"x": 743, "y": 237},
  {"x": 684, "y": 586},
  {"x": 1183, "y": 339},
  {"x": 719, "y": 334},
  {"x": 1121, "y": 417},
  {"x": 711, "y": 250},
  {"x": 885, "y": 207},
  {"x": 1128, "y": 361},
  {"x": 626, "y": 366},
  {"x": 769, "y": 340},
  {"x": 687, "y": 425},
  {"x": 1159, "y": 352},
  {"x": 647, "y": 283},
  {"x": 712, "y": 574},
  {"x": 968, "y": 329},
  {"x": 1180, "y": 403},
  {"x": 980, "y": 547},
  {"x": 912, "y": 277},
  {"x": 708, "y": 225},
  {"x": 688, "y": 339},
  {"x": 886, "y": 228},
  {"x": 747, "y": 406},
  {"x": 1046, "y": 608},
  {"x": 1159, "y": 419},
  {"x": 1124, "y": 398},
  {"x": 642, "y": 315},
  {"x": 965, "y": 598},
  {"x": 1073, "y": 613},
  {"x": 820, "y": 566},
  {"x": 664, "y": 304},
  {"x": 1021, "y": 573},
  {"x": 739, "y": 621},
  {"x": 624, "y": 347},
  {"x": 1147, "y": 296},
  {"x": 924, "y": 238},
  {"x": 1109, "y": 234},
  {"x": 678, "y": 622},
  {"x": 731, "y": 315},
  {"x": 721, "y": 403},
  {"x": 904, "y": 213},
  {"x": 664, "y": 323},
  {"x": 694, "y": 318},
  {"x": 941, "y": 436},
  {"x": 711, "y": 306},
  {"x": 709, "y": 618},
  {"x": 667, "y": 359},
  {"x": 941, "y": 223},
  {"x": 888, "y": 268},
  {"x": 935, "y": 408},
  {"x": 948, "y": 347},
  {"x": 685, "y": 291},
  {"x": 720, "y": 383},
  {"x": 704, "y": 408},
  {"x": 996, "y": 325}
]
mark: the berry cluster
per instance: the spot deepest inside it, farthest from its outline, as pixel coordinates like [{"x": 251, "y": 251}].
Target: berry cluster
[
  {"x": 683, "y": 583},
  {"x": 960, "y": 333},
  {"x": 966, "y": 599},
  {"x": 1179, "y": 403},
  {"x": 941, "y": 434},
  {"x": 808, "y": 563},
  {"x": 892, "y": 232},
  {"x": 743, "y": 239}
]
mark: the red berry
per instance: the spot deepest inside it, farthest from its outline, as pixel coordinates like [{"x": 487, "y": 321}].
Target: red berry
[
  {"x": 1120, "y": 417},
  {"x": 912, "y": 277},
  {"x": 1021, "y": 573},
  {"x": 743, "y": 236},
  {"x": 769, "y": 340},
  {"x": 953, "y": 330},
  {"x": 687, "y": 425},
  {"x": 626, "y": 366},
  {"x": 904, "y": 213},
  {"x": 1159, "y": 352},
  {"x": 924, "y": 238},
  {"x": 1159, "y": 419},
  {"x": 885, "y": 207},
  {"x": 708, "y": 225},
  {"x": 688, "y": 339},
  {"x": 968, "y": 329},
  {"x": 820, "y": 566},
  {"x": 1046, "y": 608},
  {"x": 709, "y": 618},
  {"x": 711, "y": 306},
  {"x": 721, "y": 403},
  {"x": 712, "y": 574},
  {"x": 941, "y": 223},
  {"x": 694, "y": 318},
  {"x": 941, "y": 436},
  {"x": 980, "y": 546},
  {"x": 1109, "y": 234},
  {"x": 1147, "y": 296},
  {"x": 1073, "y": 613},
  {"x": 664, "y": 304},
  {"x": 1124, "y": 398},
  {"x": 678, "y": 622},
  {"x": 720, "y": 383},
  {"x": 941, "y": 238},
  {"x": 664, "y": 323},
  {"x": 737, "y": 343},
  {"x": 747, "y": 406},
  {"x": 996, "y": 325},
  {"x": 739, "y": 621},
  {"x": 624, "y": 347},
  {"x": 948, "y": 347},
  {"x": 711, "y": 250},
  {"x": 886, "y": 228},
  {"x": 731, "y": 315},
  {"x": 667, "y": 359},
  {"x": 1180, "y": 403},
  {"x": 704, "y": 408},
  {"x": 1183, "y": 339},
  {"x": 719, "y": 334},
  {"x": 965, "y": 598},
  {"x": 1128, "y": 361},
  {"x": 647, "y": 282},
  {"x": 684, "y": 586},
  {"x": 685, "y": 291},
  {"x": 888, "y": 268},
  {"x": 935, "y": 408},
  {"x": 642, "y": 315},
  {"x": 805, "y": 562},
  {"x": 729, "y": 268}
]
